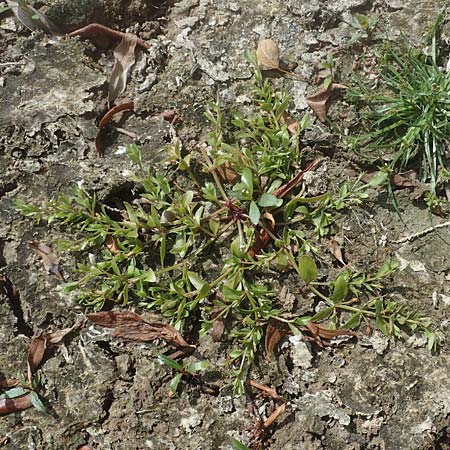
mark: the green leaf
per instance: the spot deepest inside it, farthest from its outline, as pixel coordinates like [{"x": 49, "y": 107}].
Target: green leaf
[
  {"x": 214, "y": 226},
  {"x": 268, "y": 200},
  {"x": 195, "y": 280},
  {"x": 238, "y": 445},
  {"x": 174, "y": 382},
  {"x": 170, "y": 362},
  {"x": 150, "y": 276},
  {"x": 36, "y": 402},
  {"x": 197, "y": 366},
  {"x": 340, "y": 290},
  {"x": 134, "y": 154},
  {"x": 247, "y": 179},
  {"x": 254, "y": 213},
  {"x": 14, "y": 392},
  {"x": 307, "y": 269},
  {"x": 353, "y": 322},
  {"x": 322, "y": 314},
  {"x": 378, "y": 179}
]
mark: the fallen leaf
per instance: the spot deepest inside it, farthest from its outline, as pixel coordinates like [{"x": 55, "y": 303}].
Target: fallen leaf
[
  {"x": 275, "y": 330},
  {"x": 268, "y": 54},
  {"x": 124, "y": 59},
  {"x": 95, "y": 29},
  {"x": 106, "y": 119},
  {"x": 36, "y": 352},
  {"x": 274, "y": 416},
  {"x": 84, "y": 447},
  {"x": 57, "y": 337},
  {"x": 335, "y": 248},
  {"x": 129, "y": 325},
  {"x": 111, "y": 244},
  {"x": 10, "y": 405},
  {"x": 218, "y": 329},
  {"x": 7, "y": 383},
  {"x": 319, "y": 332},
  {"x": 227, "y": 173},
  {"x": 291, "y": 184},
  {"x": 319, "y": 100},
  {"x": 49, "y": 259},
  {"x": 291, "y": 123}
]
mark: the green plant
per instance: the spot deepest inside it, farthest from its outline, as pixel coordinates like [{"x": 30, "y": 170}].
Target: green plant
[
  {"x": 408, "y": 121},
  {"x": 206, "y": 233},
  {"x": 186, "y": 370},
  {"x": 25, "y": 389}
]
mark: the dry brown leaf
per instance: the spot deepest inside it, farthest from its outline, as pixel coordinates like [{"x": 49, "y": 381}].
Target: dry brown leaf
[
  {"x": 56, "y": 337},
  {"x": 335, "y": 248},
  {"x": 129, "y": 325},
  {"x": 106, "y": 119},
  {"x": 227, "y": 173},
  {"x": 218, "y": 329},
  {"x": 124, "y": 55},
  {"x": 36, "y": 352},
  {"x": 274, "y": 332},
  {"x": 111, "y": 244},
  {"x": 268, "y": 54},
  {"x": 7, "y": 383},
  {"x": 292, "y": 124},
  {"x": 49, "y": 259},
  {"x": 318, "y": 101},
  {"x": 10, "y": 405},
  {"x": 320, "y": 332}
]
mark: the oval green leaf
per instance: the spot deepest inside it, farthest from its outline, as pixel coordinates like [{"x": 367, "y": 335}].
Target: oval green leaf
[{"x": 307, "y": 269}]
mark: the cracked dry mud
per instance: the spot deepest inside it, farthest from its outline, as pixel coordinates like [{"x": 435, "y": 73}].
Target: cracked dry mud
[{"x": 370, "y": 393}]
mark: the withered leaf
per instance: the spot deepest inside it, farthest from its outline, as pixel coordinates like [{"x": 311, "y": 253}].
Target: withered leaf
[
  {"x": 318, "y": 101},
  {"x": 106, "y": 119},
  {"x": 268, "y": 54},
  {"x": 335, "y": 249},
  {"x": 274, "y": 332},
  {"x": 36, "y": 352},
  {"x": 291, "y": 123},
  {"x": 56, "y": 337},
  {"x": 129, "y": 325},
  {"x": 49, "y": 259},
  {"x": 227, "y": 173},
  {"x": 320, "y": 331},
  {"x": 218, "y": 329},
  {"x": 124, "y": 59},
  {"x": 7, "y": 383},
  {"x": 111, "y": 244},
  {"x": 10, "y": 405}
]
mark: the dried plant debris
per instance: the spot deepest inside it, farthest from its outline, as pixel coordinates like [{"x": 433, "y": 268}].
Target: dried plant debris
[
  {"x": 268, "y": 54},
  {"x": 124, "y": 59},
  {"x": 49, "y": 259},
  {"x": 129, "y": 325},
  {"x": 36, "y": 352},
  {"x": 318, "y": 101}
]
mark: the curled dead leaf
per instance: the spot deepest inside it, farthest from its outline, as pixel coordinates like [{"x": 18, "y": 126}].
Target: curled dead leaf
[
  {"x": 124, "y": 59},
  {"x": 335, "y": 248},
  {"x": 320, "y": 331},
  {"x": 36, "y": 352},
  {"x": 275, "y": 330},
  {"x": 57, "y": 337},
  {"x": 106, "y": 119},
  {"x": 49, "y": 259},
  {"x": 129, "y": 325},
  {"x": 7, "y": 383},
  {"x": 318, "y": 101},
  {"x": 268, "y": 54},
  {"x": 218, "y": 329},
  {"x": 10, "y": 405},
  {"x": 268, "y": 391}
]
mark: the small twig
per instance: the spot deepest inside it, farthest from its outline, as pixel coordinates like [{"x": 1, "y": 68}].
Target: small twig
[
  {"x": 269, "y": 391},
  {"x": 125, "y": 132},
  {"x": 421, "y": 233},
  {"x": 95, "y": 29},
  {"x": 274, "y": 416}
]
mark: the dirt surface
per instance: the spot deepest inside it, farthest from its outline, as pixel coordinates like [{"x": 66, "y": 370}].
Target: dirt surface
[{"x": 367, "y": 393}]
